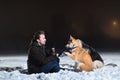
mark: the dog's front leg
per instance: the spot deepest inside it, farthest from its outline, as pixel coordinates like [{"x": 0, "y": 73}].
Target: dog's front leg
[
  {"x": 77, "y": 66},
  {"x": 68, "y": 54}
]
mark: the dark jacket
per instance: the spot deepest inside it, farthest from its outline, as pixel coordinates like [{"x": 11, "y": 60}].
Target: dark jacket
[{"x": 37, "y": 57}]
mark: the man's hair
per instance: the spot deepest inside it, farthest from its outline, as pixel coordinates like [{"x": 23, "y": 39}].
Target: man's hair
[{"x": 36, "y": 36}]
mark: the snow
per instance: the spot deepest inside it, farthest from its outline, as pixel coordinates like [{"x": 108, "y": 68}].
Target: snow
[{"x": 105, "y": 73}]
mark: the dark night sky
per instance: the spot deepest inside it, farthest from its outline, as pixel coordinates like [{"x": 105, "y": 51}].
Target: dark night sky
[{"x": 91, "y": 21}]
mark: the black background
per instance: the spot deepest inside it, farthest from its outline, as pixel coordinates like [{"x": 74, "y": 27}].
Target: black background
[{"x": 90, "y": 21}]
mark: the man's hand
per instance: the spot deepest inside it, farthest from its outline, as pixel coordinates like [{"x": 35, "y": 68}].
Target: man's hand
[{"x": 57, "y": 54}]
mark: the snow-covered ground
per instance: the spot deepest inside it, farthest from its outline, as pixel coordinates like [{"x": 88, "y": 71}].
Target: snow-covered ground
[{"x": 105, "y": 73}]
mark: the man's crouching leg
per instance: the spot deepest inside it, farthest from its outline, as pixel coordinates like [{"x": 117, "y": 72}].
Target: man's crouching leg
[{"x": 52, "y": 66}]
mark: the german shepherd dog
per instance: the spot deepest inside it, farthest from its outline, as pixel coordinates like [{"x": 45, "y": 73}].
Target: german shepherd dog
[{"x": 85, "y": 57}]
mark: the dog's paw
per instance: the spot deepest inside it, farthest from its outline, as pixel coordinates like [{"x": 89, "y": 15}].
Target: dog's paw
[{"x": 67, "y": 53}]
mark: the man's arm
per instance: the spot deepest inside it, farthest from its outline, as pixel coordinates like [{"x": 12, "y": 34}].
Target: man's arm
[{"x": 39, "y": 58}]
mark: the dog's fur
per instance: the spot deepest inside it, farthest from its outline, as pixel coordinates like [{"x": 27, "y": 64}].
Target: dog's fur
[{"x": 83, "y": 59}]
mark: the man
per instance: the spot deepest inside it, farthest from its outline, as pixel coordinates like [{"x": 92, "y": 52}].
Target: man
[{"x": 39, "y": 60}]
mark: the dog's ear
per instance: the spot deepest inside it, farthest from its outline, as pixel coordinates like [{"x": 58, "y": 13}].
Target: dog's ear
[{"x": 71, "y": 37}]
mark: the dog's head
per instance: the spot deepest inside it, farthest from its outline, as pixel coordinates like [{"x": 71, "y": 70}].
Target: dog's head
[{"x": 73, "y": 43}]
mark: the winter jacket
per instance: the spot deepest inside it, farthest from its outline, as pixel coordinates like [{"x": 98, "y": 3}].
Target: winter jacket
[{"x": 38, "y": 57}]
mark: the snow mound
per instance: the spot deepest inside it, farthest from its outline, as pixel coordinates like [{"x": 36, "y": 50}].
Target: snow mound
[{"x": 19, "y": 62}]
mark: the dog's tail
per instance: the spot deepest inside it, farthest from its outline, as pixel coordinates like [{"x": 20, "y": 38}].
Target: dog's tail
[
  {"x": 111, "y": 64},
  {"x": 99, "y": 64}
]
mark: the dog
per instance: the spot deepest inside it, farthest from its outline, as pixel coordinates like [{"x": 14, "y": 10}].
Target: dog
[{"x": 85, "y": 57}]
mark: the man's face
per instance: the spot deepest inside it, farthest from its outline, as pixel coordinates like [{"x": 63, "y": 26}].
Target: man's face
[{"x": 42, "y": 39}]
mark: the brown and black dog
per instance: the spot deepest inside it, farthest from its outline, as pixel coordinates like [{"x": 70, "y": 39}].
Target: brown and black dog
[{"x": 84, "y": 60}]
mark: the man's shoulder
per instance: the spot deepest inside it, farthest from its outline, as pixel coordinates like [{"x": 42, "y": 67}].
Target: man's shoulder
[{"x": 34, "y": 47}]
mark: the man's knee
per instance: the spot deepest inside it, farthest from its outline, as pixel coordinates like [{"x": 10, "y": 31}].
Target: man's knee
[{"x": 52, "y": 66}]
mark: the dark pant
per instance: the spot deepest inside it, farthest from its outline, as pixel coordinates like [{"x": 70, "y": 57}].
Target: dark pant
[{"x": 52, "y": 66}]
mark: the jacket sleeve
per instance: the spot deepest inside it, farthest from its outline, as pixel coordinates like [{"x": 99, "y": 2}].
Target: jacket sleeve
[{"x": 39, "y": 58}]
